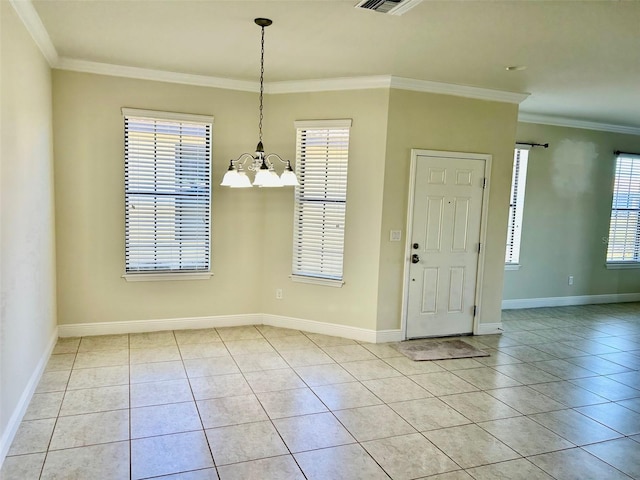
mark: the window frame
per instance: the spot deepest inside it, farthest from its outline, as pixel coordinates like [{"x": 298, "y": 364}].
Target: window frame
[
  {"x": 516, "y": 206},
  {"x": 203, "y": 265},
  {"x": 625, "y": 183},
  {"x": 304, "y": 270}
]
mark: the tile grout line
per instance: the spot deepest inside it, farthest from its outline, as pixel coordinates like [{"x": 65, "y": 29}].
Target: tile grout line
[{"x": 611, "y": 324}]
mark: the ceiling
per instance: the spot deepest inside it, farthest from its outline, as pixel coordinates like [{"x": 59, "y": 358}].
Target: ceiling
[{"x": 582, "y": 57}]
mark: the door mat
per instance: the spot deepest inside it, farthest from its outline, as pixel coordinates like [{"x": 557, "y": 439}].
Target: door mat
[{"x": 431, "y": 349}]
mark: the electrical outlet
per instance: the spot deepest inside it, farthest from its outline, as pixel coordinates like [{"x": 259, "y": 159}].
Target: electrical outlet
[
  {"x": 570, "y": 280},
  {"x": 279, "y": 293}
]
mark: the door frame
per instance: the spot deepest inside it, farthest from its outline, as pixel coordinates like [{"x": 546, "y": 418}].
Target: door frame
[{"x": 415, "y": 153}]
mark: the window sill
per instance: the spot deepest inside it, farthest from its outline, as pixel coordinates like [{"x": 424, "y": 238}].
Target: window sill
[
  {"x": 162, "y": 277},
  {"x": 512, "y": 266},
  {"x": 317, "y": 281},
  {"x": 622, "y": 266}
]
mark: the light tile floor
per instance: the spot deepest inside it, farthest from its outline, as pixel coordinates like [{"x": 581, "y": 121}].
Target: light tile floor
[{"x": 559, "y": 397}]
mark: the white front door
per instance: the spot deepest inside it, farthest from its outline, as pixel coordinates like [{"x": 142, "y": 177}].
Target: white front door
[{"x": 444, "y": 245}]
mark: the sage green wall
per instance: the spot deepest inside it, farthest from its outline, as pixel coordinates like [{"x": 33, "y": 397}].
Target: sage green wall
[
  {"x": 440, "y": 122},
  {"x": 89, "y": 179},
  {"x": 27, "y": 257},
  {"x": 566, "y": 215},
  {"x": 355, "y": 303}
]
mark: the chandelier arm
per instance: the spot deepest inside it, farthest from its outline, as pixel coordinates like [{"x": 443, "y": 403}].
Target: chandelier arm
[
  {"x": 242, "y": 159},
  {"x": 277, "y": 156}
]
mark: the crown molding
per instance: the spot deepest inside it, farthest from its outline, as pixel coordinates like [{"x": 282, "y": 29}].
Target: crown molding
[
  {"x": 31, "y": 20},
  {"x": 85, "y": 66},
  {"x": 303, "y": 86},
  {"x": 574, "y": 123},
  {"x": 329, "y": 84},
  {"x": 300, "y": 86},
  {"x": 457, "y": 90},
  {"x": 390, "y": 81}
]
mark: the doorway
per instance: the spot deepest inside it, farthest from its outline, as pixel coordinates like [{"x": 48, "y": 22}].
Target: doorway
[{"x": 448, "y": 196}]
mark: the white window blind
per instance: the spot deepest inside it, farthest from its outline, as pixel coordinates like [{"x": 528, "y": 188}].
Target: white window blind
[
  {"x": 624, "y": 229},
  {"x": 167, "y": 192},
  {"x": 516, "y": 205},
  {"x": 322, "y": 155}
]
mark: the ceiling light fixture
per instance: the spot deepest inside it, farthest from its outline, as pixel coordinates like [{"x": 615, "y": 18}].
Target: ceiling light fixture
[{"x": 265, "y": 173}]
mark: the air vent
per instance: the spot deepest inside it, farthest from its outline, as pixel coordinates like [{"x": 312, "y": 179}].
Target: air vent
[{"x": 391, "y": 7}]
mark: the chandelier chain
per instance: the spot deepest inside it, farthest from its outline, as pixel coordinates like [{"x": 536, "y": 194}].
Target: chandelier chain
[
  {"x": 259, "y": 162},
  {"x": 261, "y": 83}
]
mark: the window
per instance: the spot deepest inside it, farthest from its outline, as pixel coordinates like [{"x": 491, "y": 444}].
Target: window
[
  {"x": 322, "y": 154},
  {"x": 623, "y": 247},
  {"x": 167, "y": 192},
  {"x": 516, "y": 205}
]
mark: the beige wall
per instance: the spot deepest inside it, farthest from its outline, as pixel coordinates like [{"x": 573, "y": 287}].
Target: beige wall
[
  {"x": 441, "y": 122},
  {"x": 89, "y": 174},
  {"x": 27, "y": 278},
  {"x": 252, "y": 230},
  {"x": 355, "y": 303},
  {"x": 566, "y": 215}
]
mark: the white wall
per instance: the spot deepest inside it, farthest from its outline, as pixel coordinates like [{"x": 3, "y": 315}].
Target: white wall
[{"x": 27, "y": 261}]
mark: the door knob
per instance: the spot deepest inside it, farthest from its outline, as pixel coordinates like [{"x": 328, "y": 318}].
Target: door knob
[{"x": 415, "y": 258}]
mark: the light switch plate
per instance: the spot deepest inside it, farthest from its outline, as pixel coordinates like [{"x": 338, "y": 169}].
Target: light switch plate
[{"x": 395, "y": 235}]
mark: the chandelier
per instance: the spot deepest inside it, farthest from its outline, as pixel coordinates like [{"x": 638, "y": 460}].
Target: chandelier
[{"x": 259, "y": 162}]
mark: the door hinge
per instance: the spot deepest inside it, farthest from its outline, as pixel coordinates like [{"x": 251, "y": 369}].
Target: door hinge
[
  {"x": 475, "y": 310},
  {"x": 479, "y": 247},
  {"x": 484, "y": 182}
]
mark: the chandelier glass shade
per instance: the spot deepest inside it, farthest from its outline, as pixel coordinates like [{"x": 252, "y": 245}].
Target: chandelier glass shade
[{"x": 259, "y": 163}]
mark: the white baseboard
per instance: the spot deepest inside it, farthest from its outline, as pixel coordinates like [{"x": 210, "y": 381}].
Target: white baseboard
[
  {"x": 384, "y": 336},
  {"x": 489, "y": 328},
  {"x": 312, "y": 326},
  {"x": 139, "y": 326},
  {"x": 568, "y": 301},
  {"x": 18, "y": 413},
  {"x": 324, "y": 328}
]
